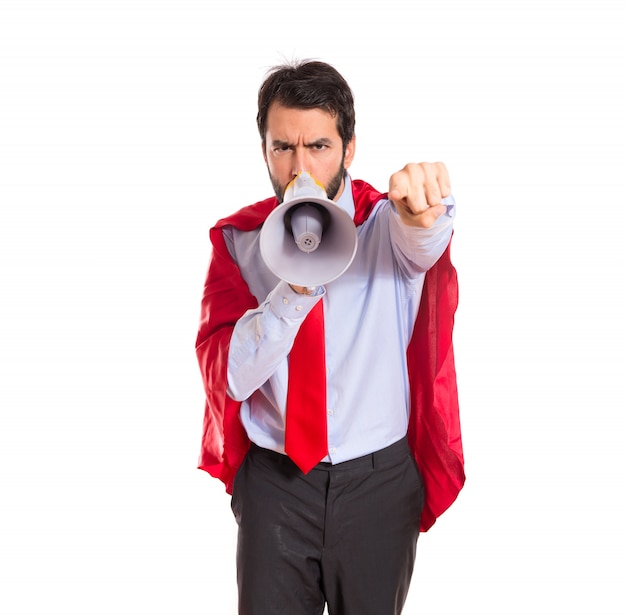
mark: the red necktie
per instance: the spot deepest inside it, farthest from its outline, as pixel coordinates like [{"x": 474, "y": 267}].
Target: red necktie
[{"x": 306, "y": 436}]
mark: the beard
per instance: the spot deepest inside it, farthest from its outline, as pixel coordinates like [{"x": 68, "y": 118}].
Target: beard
[{"x": 331, "y": 190}]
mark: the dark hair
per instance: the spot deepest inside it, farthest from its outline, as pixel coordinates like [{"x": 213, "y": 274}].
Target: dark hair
[{"x": 308, "y": 84}]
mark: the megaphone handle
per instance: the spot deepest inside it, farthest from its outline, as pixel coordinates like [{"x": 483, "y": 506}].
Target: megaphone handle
[{"x": 304, "y": 290}]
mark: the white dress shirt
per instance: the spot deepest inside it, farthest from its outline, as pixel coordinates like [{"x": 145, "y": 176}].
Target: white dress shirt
[{"x": 369, "y": 315}]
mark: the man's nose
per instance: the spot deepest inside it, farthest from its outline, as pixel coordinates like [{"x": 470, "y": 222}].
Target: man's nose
[{"x": 300, "y": 161}]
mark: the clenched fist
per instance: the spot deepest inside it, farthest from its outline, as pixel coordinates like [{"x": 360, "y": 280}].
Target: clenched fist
[{"x": 417, "y": 190}]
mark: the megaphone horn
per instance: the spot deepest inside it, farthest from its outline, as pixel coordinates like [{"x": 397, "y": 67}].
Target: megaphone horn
[{"x": 308, "y": 240}]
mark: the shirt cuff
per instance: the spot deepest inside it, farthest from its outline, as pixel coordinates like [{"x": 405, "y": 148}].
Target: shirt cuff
[{"x": 287, "y": 304}]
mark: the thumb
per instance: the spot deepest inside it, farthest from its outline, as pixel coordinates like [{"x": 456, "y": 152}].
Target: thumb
[{"x": 398, "y": 193}]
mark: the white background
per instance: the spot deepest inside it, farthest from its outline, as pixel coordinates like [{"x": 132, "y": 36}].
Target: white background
[{"x": 127, "y": 128}]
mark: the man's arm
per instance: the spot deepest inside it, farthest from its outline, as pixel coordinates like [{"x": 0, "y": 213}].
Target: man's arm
[
  {"x": 422, "y": 215},
  {"x": 263, "y": 337}
]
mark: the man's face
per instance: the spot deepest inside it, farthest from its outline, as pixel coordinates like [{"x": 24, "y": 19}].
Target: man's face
[{"x": 300, "y": 140}]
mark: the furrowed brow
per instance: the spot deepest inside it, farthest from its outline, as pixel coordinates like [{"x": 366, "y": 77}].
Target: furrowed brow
[
  {"x": 280, "y": 143},
  {"x": 321, "y": 141}
]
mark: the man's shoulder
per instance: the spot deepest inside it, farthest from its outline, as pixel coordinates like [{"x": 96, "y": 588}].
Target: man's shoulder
[
  {"x": 250, "y": 217},
  {"x": 365, "y": 198}
]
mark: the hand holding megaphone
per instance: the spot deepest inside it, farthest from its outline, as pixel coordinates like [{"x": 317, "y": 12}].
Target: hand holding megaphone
[{"x": 308, "y": 240}]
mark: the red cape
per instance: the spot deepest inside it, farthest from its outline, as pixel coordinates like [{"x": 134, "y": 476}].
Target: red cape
[{"x": 434, "y": 429}]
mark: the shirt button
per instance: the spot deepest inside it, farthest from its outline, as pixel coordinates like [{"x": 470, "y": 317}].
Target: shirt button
[
  {"x": 298, "y": 308},
  {"x": 333, "y": 450},
  {"x": 285, "y": 300},
  {"x": 330, "y": 412}
]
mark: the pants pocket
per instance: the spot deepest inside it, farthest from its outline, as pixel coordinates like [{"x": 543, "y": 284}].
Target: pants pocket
[{"x": 235, "y": 500}]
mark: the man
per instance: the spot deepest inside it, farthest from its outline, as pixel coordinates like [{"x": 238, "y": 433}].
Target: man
[{"x": 342, "y": 533}]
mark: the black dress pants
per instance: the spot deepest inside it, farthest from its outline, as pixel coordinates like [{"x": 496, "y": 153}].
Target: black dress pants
[{"x": 344, "y": 535}]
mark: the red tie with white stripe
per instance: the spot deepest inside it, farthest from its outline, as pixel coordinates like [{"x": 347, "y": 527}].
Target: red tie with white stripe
[{"x": 306, "y": 435}]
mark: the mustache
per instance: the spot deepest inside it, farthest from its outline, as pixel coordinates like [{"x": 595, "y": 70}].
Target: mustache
[
  {"x": 331, "y": 188},
  {"x": 279, "y": 189}
]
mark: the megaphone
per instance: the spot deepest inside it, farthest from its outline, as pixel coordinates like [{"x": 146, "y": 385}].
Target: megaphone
[{"x": 308, "y": 240}]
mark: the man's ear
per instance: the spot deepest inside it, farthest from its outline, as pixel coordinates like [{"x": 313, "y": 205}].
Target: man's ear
[
  {"x": 350, "y": 151},
  {"x": 263, "y": 151}
]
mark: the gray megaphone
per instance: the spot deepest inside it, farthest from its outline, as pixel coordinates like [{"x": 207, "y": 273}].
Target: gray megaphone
[{"x": 308, "y": 240}]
